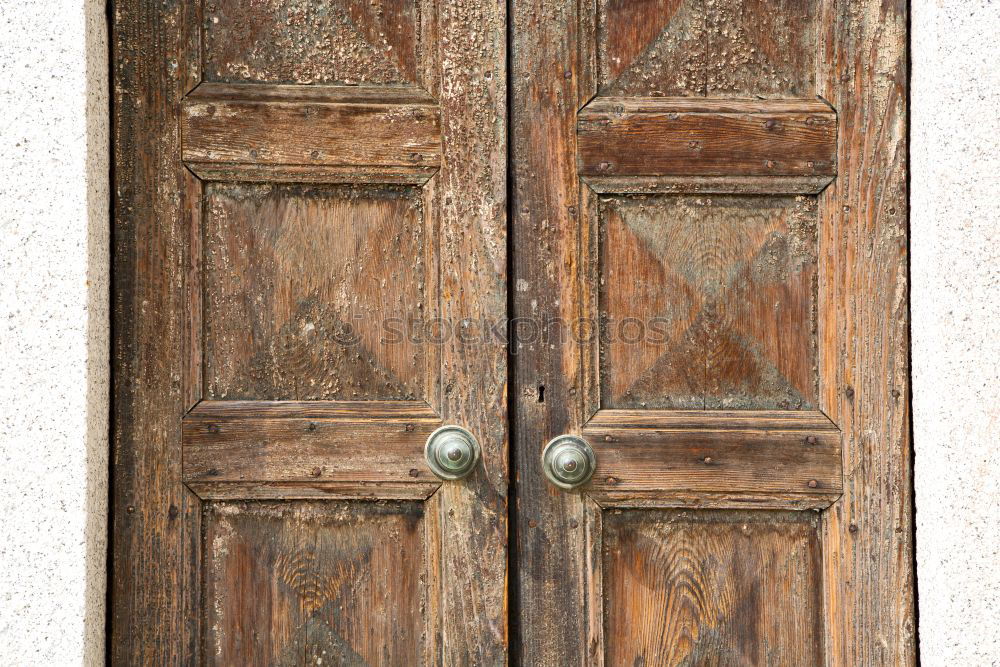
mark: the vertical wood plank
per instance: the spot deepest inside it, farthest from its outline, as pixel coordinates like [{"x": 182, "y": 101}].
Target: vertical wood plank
[
  {"x": 593, "y": 524},
  {"x": 191, "y": 514},
  {"x": 473, "y": 257},
  {"x": 193, "y": 290},
  {"x": 548, "y": 81},
  {"x": 868, "y": 534},
  {"x": 433, "y": 588},
  {"x": 152, "y": 69}
]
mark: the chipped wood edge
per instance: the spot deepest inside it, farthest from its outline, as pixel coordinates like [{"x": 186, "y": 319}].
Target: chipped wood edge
[{"x": 726, "y": 185}]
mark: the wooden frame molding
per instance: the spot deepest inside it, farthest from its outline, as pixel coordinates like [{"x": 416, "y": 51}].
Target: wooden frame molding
[
  {"x": 371, "y": 129},
  {"x": 706, "y": 137},
  {"x": 749, "y": 459},
  {"x": 308, "y": 449}
]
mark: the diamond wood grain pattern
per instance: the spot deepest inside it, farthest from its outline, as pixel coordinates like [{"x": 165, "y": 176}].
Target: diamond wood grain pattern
[
  {"x": 299, "y": 281},
  {"x": 312, "y": 583},
  {"x": 311, "y": 42},
  {"x": 721, "y": 48},
  {"x": 723, "y": 289},
  {"x": 712, "y": 588}
]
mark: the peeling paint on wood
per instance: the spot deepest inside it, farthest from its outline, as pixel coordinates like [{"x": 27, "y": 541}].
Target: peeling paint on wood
[
  {"x": 300, "y": 282},
  {"x": 708, "y": 48},
  {"x": 312, "y": 41}
]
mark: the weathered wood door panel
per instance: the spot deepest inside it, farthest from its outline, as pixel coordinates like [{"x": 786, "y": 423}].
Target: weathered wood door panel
[
  {"x": 303, "y": 188},
  {"x": 709, "y": 195}
]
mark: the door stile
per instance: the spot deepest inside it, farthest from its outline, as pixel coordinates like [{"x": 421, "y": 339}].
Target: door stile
[
  {"x": 867, "y": 536},
  {"x": 473, "y": 291},
  {"x": 549, "y": 82},
  {"x": 151, "y": 511}
]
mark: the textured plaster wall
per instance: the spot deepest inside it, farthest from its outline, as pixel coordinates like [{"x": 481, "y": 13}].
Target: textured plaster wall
[
  {"x": 955, "y": 241},
  {"x": 53, "y": 330}
]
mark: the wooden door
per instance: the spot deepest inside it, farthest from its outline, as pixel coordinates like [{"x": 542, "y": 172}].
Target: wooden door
[
  {"x": 709, "y": 229},
  {"x": 306, "y": 190},
  {"x": 707, "y": 278}
]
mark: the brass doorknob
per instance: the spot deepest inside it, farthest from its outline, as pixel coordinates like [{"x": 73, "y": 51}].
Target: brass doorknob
[
  {"x": 451, "y": 452},
  {"x": 568, "y": 461}
]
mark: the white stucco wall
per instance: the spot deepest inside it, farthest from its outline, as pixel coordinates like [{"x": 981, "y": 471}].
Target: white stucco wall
[
  {"x": 955, "y": 297},
  {"x": 53, "y": 330}
]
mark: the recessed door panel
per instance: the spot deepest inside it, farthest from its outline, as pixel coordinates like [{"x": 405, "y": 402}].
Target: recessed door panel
[
  {"x": 309, "y": 289},
  {"x": 313, "y": 41},
  {"x": 313, "y": 582},
  {"x": 708, "y": 302},
  {"x": 712, "y": 588}
]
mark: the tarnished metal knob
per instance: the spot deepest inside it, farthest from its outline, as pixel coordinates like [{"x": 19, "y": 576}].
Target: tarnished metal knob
[
  {"x": 568, "y": 461},
  {"x": 451, "y": 452}
]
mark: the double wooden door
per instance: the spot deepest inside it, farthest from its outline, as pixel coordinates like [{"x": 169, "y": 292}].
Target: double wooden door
[{"x": 673, "y": 229}]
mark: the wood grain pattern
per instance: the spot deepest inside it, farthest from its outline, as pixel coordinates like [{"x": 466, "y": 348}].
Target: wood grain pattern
[
  {"x": 296, "y": 583},
  {"x": 324, "y": 448},
  {"x": 471, "y": 197},
  {"x": 712, "y": 588},
  {"x": 669, "y": 136},
  {"x": 295, "y": 125},
  {"x": 868, "y": 535},
  {"x": 708, "y": 302},
  {"x": 717, "y": 50},
  {"x": 312, "y": 41},
  {"x": 696, "y": 459},
  {"x": 552, "y": 551},
  {"x": 707, "y": 47},
  {"x": 151, "y": 511},
  {"x": 313, "y": 292}
]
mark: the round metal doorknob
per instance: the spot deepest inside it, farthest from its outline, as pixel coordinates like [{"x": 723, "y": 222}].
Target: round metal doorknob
[
  {"x": 568, "y": 461},
  {"x": 451, "y": 452}
]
